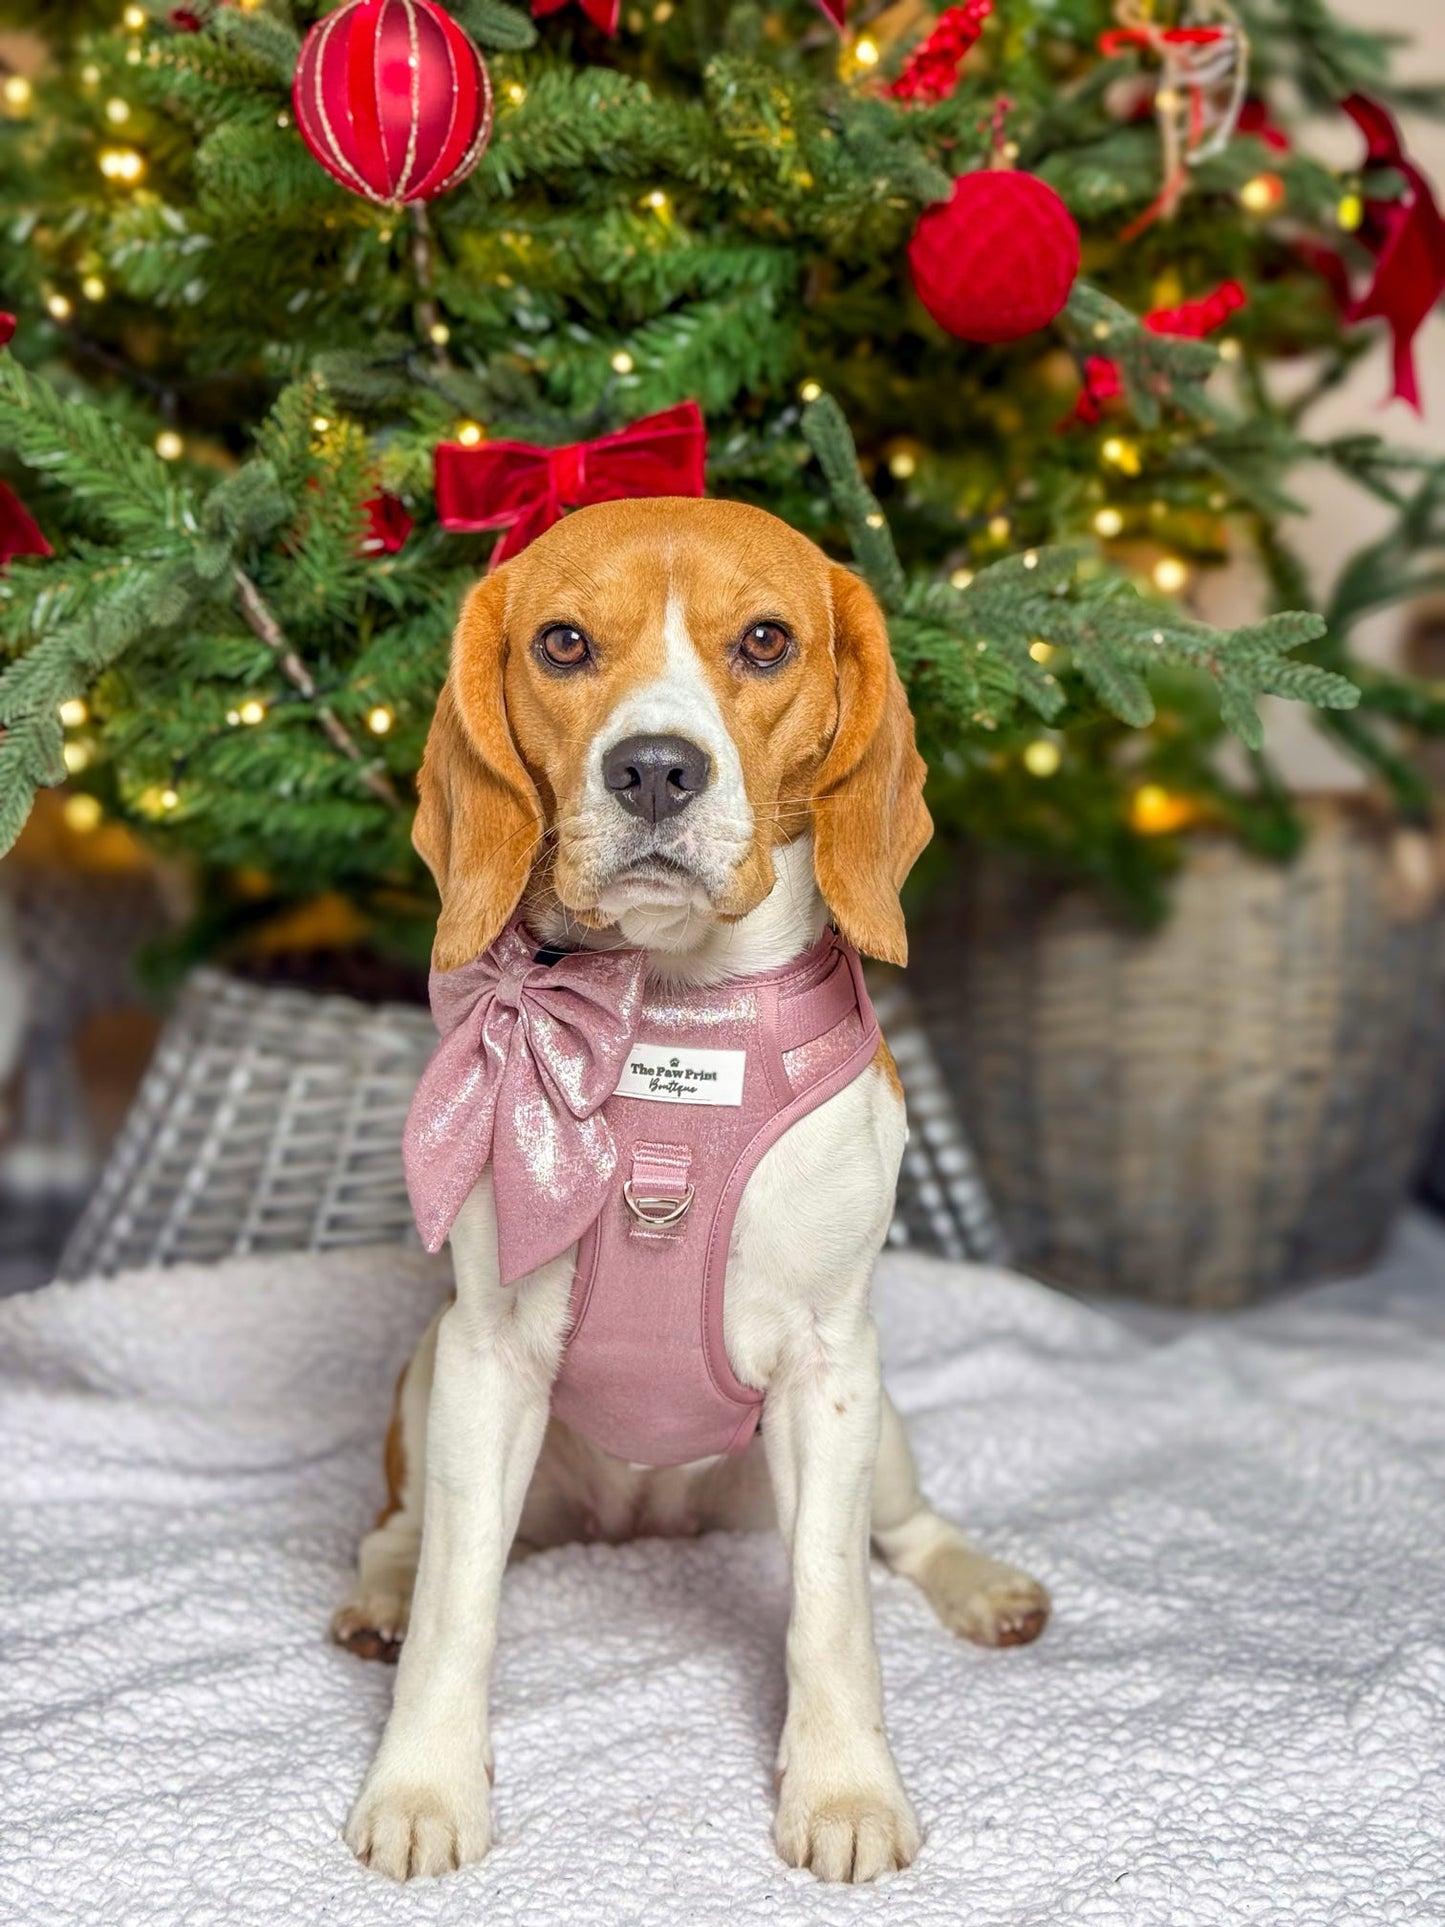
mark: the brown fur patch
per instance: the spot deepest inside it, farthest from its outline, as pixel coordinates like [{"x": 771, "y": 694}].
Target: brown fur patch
[
  {"x": 393, "y": 1457},
  {"x": 882, "y": 1060}
]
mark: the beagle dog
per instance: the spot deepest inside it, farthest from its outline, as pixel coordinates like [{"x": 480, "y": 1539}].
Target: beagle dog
[{"x": 672, "y": 733}]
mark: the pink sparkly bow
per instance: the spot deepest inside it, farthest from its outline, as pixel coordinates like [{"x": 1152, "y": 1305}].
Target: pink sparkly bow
[{"x": 530, "y": 1052}]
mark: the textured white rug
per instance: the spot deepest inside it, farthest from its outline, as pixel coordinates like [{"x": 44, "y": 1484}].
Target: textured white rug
[{"x": 1237, "y": 1716}]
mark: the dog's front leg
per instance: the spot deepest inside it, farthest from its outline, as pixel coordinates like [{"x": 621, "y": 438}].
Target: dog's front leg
[
  {"x": 842, "y": 1809},
  {"x": 425, "y": 1805}
]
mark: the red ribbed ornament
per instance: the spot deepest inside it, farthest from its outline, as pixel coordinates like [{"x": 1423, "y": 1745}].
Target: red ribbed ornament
[
  {"x": 997, "y": 259},
  {"x": 393, "y": 99}
]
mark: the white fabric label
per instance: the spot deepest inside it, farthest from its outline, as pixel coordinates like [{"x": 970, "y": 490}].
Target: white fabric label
[{"x": 674, "y": 1074}]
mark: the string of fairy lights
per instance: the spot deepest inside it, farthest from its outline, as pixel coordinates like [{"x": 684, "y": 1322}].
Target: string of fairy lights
[{"x": 124, "y": 167}]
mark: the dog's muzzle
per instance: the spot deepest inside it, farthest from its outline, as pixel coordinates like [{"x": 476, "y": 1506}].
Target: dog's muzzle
[{"x": 654, "y": 777}]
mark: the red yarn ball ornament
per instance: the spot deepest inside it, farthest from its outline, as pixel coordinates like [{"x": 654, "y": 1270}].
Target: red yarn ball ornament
[
  {"x": 997, "y": 259},
  {"x": 393, "y": 99}
]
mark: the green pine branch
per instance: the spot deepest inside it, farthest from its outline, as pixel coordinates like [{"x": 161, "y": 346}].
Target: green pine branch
[
  {"x": 971, "y": 654},
  {"x": 126, "y": 486}
]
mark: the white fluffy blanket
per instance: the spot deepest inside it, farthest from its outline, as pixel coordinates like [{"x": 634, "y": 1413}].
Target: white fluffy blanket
[{"x": 1236, "y": 1716}]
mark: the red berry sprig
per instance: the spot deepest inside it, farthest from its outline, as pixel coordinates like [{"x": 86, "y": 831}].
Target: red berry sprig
[{"x": 931, "y": 71}]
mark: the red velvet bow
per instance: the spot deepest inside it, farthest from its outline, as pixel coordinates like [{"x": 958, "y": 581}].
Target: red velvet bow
[
  {"x": 1407, "y": 239},
  {"x": 602, "y": 13},
  {"x": 523, "y": 489},
  {"x": 606, "y": 13}
]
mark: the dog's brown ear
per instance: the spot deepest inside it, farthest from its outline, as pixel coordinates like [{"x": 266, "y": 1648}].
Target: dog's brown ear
[
  {"x": 479, "y": 817},
  {"x": 869, "y": 819}
]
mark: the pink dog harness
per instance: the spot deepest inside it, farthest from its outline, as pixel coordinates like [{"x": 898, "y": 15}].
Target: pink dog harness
[{"x": 627, "y": 1119}]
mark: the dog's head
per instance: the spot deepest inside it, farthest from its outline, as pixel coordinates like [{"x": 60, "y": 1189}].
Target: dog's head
[{"x": 648, "y": 701}]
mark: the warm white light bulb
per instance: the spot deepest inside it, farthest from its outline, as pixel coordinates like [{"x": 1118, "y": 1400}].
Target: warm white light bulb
[
  {"x": 121, "y": 164},
  {"x": 81, "y": 813}
]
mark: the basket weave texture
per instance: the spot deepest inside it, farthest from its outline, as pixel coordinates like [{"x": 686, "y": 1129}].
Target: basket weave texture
[
  {"x": 268, "y": 1120},
  {"x": 271, "y": 1120},
  {"x": 1235, "y": 1102}
]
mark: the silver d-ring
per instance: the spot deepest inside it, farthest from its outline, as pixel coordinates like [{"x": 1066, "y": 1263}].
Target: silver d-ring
[{"x": 656, "y": 1211}]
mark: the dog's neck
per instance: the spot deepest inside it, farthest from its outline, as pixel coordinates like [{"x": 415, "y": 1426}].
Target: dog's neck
[{"x": 685, "y": 948}]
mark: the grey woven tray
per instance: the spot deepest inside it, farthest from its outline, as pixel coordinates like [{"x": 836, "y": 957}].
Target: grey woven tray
[{"x": 271, "y": 1120}]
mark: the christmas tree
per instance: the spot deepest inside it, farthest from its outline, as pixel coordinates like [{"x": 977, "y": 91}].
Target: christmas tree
[{"x": 265, "y": 418}]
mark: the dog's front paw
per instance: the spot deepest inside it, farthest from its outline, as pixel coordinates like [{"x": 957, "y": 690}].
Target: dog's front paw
[
  {"x": 982, "y": 1599},
  {"x": 406, "y": 1827},
  {"x": 372, "y": 1624},
  {"x": 845, "y": 1830}
]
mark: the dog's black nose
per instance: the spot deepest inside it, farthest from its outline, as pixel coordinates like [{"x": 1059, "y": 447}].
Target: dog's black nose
[{"x": 655, "y": 776}]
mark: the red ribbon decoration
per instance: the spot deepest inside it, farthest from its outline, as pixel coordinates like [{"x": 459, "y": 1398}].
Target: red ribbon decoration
[
  {"x": 1407, "y": 239},
  {"x": 1254, "y": 119},
  {"x": 19, "y": 531},
  {"x": 602, "y": 13},
  {"x": 523, "y": 489},
  {"x": 1119, "y": 39}
]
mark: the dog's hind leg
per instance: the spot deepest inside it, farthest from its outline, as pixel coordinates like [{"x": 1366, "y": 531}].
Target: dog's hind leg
[
  {"x": 976, "y": 1597},
  {"x": 372, "y": 1619}
]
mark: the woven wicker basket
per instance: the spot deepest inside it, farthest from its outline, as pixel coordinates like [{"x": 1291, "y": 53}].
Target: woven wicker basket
[
  {"x": 1235, "y": 1102},
  {"x": 271, "y": 1120},
  {"x": 268, "y": 1120}
]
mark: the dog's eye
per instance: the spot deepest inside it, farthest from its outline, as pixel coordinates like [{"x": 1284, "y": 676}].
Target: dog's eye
[
  {"x": 765, "y": 644},
  {"x": 563, "y": 646}
]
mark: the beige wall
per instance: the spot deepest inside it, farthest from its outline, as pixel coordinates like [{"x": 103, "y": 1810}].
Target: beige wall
[{"x": 1340, "y": 518}]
